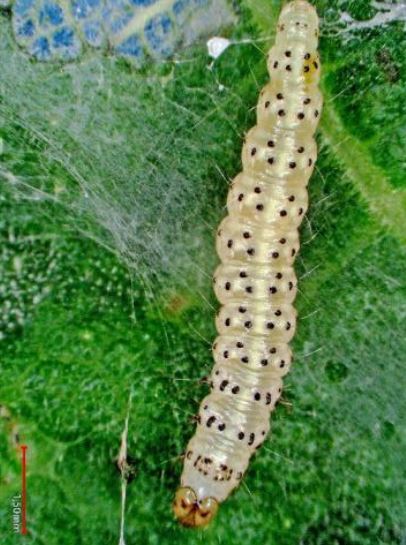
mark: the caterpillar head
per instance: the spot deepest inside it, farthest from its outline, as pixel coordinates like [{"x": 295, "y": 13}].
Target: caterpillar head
[{"x": 190, "y": 511}]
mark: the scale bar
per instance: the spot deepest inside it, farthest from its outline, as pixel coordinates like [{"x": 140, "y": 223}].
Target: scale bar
[{"x": 24, "y": 489}]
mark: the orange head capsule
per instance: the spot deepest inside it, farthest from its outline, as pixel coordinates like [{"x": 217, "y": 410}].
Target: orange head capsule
[{"x": 193, "y": 513}]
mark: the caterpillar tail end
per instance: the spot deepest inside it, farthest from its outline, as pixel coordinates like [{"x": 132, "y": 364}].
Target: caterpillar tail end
[{"x": 193, "y": 513}]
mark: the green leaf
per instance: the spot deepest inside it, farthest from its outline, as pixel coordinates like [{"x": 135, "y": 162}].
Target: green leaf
[{"x": 113, "y": 183}]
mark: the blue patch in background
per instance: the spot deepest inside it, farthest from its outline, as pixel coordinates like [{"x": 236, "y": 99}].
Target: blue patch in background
[
  {"x": 81, "y": 9},
  {"x": 63, "y": 37},
  {"x": 116, "y": 15},
  {"x": 160, "y": 35},
  {"x": 143, "y": 3},
  {"x": 181, "y": 11},
  {"x": 22, "y": 7},
  {"x": 131, "y": 47},
  {"x": 93, "y": 33},
  {"x": 88, "y": 15},
  {"x": 41, "y": 26},
  {"x": 27, "y": 29},
  {"x": 65, "y": 44},
  {"x": 50, "y": 14},
  {"x": 40, "y": 49}
]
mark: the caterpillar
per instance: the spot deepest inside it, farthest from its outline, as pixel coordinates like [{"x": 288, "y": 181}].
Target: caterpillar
[
  {"x": 134, "y": 29},
  {"x": 255, "y": 283}
]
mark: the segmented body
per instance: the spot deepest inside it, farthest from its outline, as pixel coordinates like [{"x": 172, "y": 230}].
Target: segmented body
[{"x": 257, "y": 244}]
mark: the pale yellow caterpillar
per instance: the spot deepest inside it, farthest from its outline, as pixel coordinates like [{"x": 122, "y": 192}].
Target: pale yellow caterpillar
[{"x": 255, "y": 282}]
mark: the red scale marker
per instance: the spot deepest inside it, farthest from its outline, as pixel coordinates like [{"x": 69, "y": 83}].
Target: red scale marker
[{"x": 24, "y": 489}]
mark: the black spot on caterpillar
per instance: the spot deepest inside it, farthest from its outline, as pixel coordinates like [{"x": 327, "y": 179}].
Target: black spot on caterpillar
[{"x": 255, "y": 283}]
